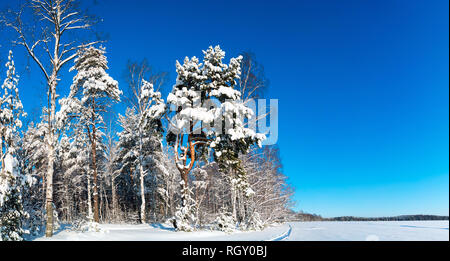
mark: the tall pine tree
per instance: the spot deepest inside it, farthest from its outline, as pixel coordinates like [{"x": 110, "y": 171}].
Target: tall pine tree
[
  {"x": 93, "y": 91},
  {"x": 11, "y": 178}
]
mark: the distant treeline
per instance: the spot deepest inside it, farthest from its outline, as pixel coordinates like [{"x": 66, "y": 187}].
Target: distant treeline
[
  {"x": 396, "y": 218},
  {"x": 301, "y": 216}
]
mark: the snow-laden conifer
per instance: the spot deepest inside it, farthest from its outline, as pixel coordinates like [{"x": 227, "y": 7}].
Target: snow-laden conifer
[
  {"x": 91, "y": 94},
  {"x": 209, "y": 113},
  {"x": 12, "y": 181}
]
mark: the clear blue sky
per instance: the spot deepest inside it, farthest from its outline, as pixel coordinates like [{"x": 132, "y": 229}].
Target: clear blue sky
[{"x": 363, "y": 88}]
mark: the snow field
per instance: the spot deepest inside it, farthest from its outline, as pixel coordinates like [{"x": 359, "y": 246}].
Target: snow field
[{"x": 293, "y": 231}]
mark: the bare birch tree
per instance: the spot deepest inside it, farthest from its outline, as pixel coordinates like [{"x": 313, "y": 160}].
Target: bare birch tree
[
  {"x": 149, "y": 108},
  {"x": 47, "y": 43}
]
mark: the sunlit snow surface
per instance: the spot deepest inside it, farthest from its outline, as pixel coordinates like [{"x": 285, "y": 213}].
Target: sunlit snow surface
[{"x": 294, "y": 231}]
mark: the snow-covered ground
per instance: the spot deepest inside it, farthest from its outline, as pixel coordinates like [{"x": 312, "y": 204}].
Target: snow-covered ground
[{"x": 296, "y": 231}]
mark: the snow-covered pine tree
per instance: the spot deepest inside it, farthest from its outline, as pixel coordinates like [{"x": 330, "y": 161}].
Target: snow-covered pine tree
[
  {"x": 74, "y": 158},
  {"x": 11, "y": 110},
  {"x": 237, "y": 138},
  {"x": 225, "y": 221},
  {"x": 210, "y": 112},
  {"x": 75, "y": 164},
  {"x": 80, "y": 155},
  {"x": 63, "y": 180},
  {"x": 11, "y": 178},
  {"x": 11, "y": 207},
  {"x": 93, "y": 90},
  {"x": 112, "y": 164},
  {"x": 34, "y": 157},
  {"x": 185, "y": 95},
  {"x": 35, "y": 149},
  {"x": 71, "y": 183},
  {"x": 127, "y": 143}
]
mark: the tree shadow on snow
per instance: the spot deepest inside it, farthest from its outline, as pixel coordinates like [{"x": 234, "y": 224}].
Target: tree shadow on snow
[
  {"x": 41, "y": 232},
  {"x": 445, "y": 228},
  {"x": 162, "y": 227}
]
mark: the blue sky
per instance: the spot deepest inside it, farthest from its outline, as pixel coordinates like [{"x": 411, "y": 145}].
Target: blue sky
[{"x": 362, "y": 88}]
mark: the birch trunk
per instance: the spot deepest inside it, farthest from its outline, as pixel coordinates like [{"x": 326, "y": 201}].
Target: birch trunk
[
  {"x": 51, "y": 154},
  {"x": 60, "y": 17},
  {"x": 89, "y": 198},
  {"x": 68, "y": 204},
  {"x": 94, "y": 168},
  {"x": 141, "y": 172},
  {"x": 94, "y": 160},
  {"x": 114, "y": 198},
  {"x": 233, "y": 197},
  {"x": 1, "y": 152}
]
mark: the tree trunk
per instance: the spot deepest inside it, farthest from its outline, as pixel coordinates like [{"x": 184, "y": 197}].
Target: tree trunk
[
  {"x": 105, "y": 210},
  {"x": 101, "y": 202},
  {"x": 183, "y": 186},
  {"x": 233, "y": 202},
  {"x": 51, "y": 155},
  {"x": 141, "y": 178},
  {"x": 49, "y": 190},
  {"x": 242, "y": 206},
  {"x": 89, "y": 198},
  {"x": 114, "y": 199},
  {"x": 94, "y": 162},
  {"x": 233, "y": 197},
  {"x": 141, "y": 170},
  {"x": 94, "y": 167},
  {"x": 1, "y": 150},
  {"x": 68, "y": 203}
]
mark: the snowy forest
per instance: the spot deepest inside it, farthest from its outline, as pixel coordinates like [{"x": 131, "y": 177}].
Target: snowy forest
[{"x": 189, "y": 158}]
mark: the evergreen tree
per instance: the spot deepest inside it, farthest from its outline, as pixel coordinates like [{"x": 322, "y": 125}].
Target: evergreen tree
[
  {"x": 11, "y": 110},
  {"x": 210, "y": 112},
  {"x": 92, "y": 91},
  {"x": 11, "y": 178},
  {"x": 11, "y": 208},
  {"x": 34, "y": 160}
]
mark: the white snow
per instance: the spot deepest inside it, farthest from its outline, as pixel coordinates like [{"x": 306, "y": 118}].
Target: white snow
[
  {"x": 371, "y": 230},
  {"x": 294, "y": 231},
  {"x": 11, "y": 164}
]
